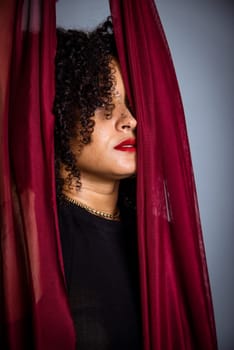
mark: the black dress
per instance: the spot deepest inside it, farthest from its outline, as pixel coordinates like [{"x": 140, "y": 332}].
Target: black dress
[{"x": 101, "y": 268}]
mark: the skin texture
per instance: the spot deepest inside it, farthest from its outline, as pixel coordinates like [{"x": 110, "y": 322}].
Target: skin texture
[{"x": 101, "y": 165}]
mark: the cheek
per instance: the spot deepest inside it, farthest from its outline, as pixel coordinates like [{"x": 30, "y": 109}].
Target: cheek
[{"x": 92, "y": 156}]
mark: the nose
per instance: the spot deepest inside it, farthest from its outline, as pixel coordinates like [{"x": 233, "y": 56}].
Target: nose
[{"x": 126, "y": 122}]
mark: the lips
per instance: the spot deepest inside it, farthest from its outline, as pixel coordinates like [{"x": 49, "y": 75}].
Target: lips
[{"x": 128, "y": 145}]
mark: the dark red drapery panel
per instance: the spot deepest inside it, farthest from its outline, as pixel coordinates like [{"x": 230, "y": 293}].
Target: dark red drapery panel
[
  {"x": 34, "y": 312},
  {"x": 176, "y": 301}
]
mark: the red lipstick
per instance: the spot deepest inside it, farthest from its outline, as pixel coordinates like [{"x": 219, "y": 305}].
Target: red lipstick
[{"x": 128, "y": 145}]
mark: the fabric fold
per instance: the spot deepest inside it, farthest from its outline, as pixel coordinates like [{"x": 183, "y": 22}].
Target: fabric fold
[
  {"x": 177, "y": 309},
  {"x": 34, "y": 310}
]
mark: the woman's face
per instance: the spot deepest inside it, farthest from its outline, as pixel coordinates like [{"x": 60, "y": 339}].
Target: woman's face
[{"x": 111, "y": 154}]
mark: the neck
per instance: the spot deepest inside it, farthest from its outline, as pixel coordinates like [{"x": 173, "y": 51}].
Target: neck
[{"x": 101, "y": 195}]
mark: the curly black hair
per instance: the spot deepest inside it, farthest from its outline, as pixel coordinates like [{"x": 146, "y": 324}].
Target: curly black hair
[{"x": 85, "y": 80}]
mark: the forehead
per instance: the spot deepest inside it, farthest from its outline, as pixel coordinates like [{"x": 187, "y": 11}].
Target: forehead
[{"x": 119, "y": 89}]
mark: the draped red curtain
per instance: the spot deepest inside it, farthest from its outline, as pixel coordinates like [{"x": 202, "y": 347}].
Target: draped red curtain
[
  {"x": 176, "y": 301},
  {"x": 34, "y": 311}
]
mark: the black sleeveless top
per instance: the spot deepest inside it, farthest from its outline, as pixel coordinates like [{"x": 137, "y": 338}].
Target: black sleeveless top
[{"x": 101, "y": 268}]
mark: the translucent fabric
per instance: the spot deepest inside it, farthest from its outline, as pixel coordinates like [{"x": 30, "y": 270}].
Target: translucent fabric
[
  {"x": 176, "y": 302},
  {"x": 34, "y": 311},
  {"x": 177, "y": 310}
]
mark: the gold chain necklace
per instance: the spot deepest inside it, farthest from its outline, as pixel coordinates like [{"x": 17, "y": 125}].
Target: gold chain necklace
[{"x": 102, "y": 214}]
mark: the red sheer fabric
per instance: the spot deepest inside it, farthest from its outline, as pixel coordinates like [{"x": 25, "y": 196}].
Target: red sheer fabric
[
  {"x": 34, "y": 312},
  {"x": 176, "y": 301}
]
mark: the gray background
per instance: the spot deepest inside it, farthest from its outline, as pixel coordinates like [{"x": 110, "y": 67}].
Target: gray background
[{"x": 200, "y": 35}]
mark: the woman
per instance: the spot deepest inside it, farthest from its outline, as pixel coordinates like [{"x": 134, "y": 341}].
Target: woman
[{"x": 95, "y": 153}]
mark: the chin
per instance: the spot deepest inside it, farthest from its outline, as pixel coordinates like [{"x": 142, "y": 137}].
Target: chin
[
  {"x": 123, "y": 170},
  {"x": 127, "y": 168},
  {"x": 127, "y": 174}
]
